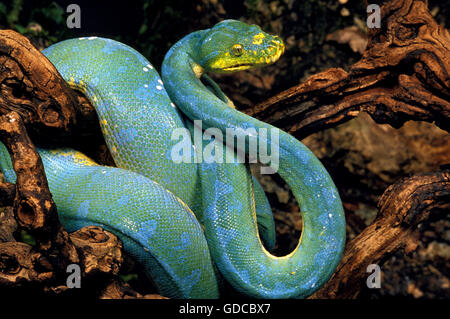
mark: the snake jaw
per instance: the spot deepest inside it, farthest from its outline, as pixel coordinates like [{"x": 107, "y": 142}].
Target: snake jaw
[{"x": 237, "y": 67}]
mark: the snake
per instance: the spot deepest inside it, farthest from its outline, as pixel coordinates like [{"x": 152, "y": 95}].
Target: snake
[{"x": 195, "y": 222}]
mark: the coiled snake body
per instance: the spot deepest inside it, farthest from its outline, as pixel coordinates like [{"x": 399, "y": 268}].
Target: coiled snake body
[{"x": 149, "y": 200}]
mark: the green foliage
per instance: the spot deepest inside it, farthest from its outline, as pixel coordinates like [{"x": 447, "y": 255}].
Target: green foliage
[
  {"x": 2, "y": 10},
  {"x": 13, "y": 15},
  {"x": 47, "y": 20},
  {"x": 27, "y": 238},
  {"x": 128, "y": 277}
]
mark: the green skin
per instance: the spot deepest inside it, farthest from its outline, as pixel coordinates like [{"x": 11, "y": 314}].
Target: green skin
[{"x": 149, "y": 200}]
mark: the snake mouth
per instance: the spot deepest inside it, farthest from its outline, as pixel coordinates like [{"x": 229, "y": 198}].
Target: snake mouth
[{"x": 238, "y": 67}]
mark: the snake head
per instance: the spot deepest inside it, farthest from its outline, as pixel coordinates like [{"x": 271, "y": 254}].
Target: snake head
[{"x": 233, "y": 45}]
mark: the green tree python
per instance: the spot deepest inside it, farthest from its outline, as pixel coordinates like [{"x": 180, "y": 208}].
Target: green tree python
[{"x": 190, "y": 222}]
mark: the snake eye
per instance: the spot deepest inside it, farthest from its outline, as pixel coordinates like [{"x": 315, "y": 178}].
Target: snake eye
[{"x": 237, "y": 49}]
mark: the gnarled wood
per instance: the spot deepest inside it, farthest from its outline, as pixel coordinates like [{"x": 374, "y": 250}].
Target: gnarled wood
[
  {"x": 20, "y": 265},
  {"x": 8, "y": 224},
  {"x": 403, "y": 75},
  {"x": 402, "y": 207},
  {"x": 34, "y": 208},
  {"x": 33, "y": 94},
  {"x": 31, "y": 86},
  {"x": 118, "y": 290},
  {"x": 100, "y": 250}
]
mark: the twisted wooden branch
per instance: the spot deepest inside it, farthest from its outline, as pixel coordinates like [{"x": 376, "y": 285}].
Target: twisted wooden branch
[
  {"x": 31, "y": 86},
  {"x": 33, "y": 94},
  {"x": 34, "y": 208},
  {"x": 402, "y": 207}
]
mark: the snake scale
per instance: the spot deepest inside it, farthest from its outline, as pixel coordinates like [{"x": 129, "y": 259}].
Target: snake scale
[{"x": 190, "y": 223}]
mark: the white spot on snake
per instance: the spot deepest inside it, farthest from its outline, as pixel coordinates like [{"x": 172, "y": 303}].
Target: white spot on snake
[
  {"x": 173, "y": 105},
  {"x": 146, "y": 85},
  {"x": 312, "y": 286},
  {"x": 161, "y": 82},
  {"x": 92, "y": 38},
  {"x": 159, "y": 87},
  {"x": 150, "y": 66},
  {"x": 103, "y": 172},
  {"x": 330, "y": 215},
  {"x": 82, "y": 38},
  {"x": 145, "y": 69}
]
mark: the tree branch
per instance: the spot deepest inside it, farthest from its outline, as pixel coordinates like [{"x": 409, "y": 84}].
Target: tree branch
[
  {"x": 34, "y": 208},
  {"x": 403, "y": 75},
  {"x": 402, "y": 207}
]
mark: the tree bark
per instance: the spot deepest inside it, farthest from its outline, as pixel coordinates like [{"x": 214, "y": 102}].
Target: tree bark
[
  {"x": 402, "y": 207},
  {"x": 35, "y": 100},
  {"x": 34, "y": 208},
  {"x": 31, "y": 86},
  {"x": 403, "y": 75}
]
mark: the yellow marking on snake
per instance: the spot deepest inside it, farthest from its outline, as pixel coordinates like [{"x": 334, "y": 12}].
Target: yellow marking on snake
[
  {"x": 76, "y": 156},
  {"x": 72, "y": 82},
  {"x": 258, "y": 39}
]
